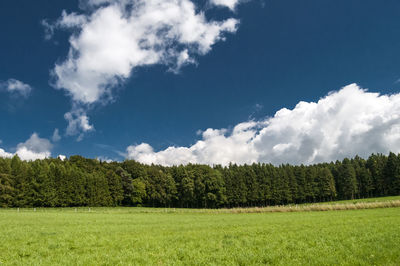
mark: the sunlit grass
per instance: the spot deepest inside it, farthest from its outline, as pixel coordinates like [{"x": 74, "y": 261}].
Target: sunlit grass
[{"x": 137, "y": 236}]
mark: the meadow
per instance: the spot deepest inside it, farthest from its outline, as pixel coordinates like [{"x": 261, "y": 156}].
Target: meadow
[{"x": 158, "y": 236}]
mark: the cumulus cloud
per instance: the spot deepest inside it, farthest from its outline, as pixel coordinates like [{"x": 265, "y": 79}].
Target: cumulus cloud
[
  {"x": 113, "y": 37},
  {"x": 16, "y": 88},
  {"x": 118, "y": 37},
  {"x": 349, "y": 122},
  {"x": 34, "y": 148},
  {"x": 216, "y": 147},
  {"x": 5, "y": 154},
  {"x": 231, "y": 4}
]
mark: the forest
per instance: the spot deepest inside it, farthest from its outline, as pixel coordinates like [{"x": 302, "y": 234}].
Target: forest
[{"x": 78, "y": 181}]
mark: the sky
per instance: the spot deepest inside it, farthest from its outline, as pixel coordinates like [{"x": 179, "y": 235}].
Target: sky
[{"x": 208, "y": 81}]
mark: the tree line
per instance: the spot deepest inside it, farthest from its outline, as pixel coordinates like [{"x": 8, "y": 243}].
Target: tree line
[{"x": 79, "y": 181}]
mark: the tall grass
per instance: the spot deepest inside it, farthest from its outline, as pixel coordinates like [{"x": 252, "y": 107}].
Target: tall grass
[
  {"x": 316, "y": 207},
  {"x": 359, "y": 204}
]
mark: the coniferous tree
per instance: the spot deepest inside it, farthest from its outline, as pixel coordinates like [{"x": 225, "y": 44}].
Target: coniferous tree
[
  {"x": 139, "y": 191},
  {"x": 80, "y": 182},
  {"x": 127, "y": 186},
  {"x": 326, "y": 183},
  {"x": 6, "y": 184},
  {"x": 391, "y": 174},
  {"x": 115, "y": 186},
  {"x": 376, "y": 164},
  {"x": 300, "y": 173},
  {"x": 347, "y": 182},
  {"x": 187, "y": 190}
]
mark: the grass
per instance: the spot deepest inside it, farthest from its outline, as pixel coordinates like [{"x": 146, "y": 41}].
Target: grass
[
  {"x": 145, "y": 236},
  {"x": 380, "y": 199}
]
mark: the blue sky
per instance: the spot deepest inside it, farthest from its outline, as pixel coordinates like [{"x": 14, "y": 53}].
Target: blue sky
[{"x": 277, "y": 54}]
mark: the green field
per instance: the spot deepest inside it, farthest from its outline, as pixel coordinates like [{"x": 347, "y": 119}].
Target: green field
[{"x": 137, "y": 236}]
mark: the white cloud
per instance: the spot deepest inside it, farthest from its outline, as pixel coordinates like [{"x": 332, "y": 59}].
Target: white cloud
[
  {"x": 343, "y": 124},
  {"x": 105, "y": 159},
  {"x": 48, "y": 29},
  {"x": 5, "y": 154},
  {"x": 117, "y": 36},
  {"x": 71, "y": 20},
  {"x": 34, "y": 148},
  {"x": 231, "y": 4},
  {"x": 215, "y": 147},
  {"x": 28, "y": 155},
  {"x": 56, "y": 135},
  {"x": 16, "y": 87},
  {"x": 62, "y": 157},
  {"x": 78, "y": 122},
  {"x": 66, "y": 21}
]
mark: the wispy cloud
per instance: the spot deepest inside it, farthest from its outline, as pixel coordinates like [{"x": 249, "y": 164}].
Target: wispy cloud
[
  {"x": 16, "y": 88},
  {"x": 110, "y": 148},
  {"x": 231, "y": 4},
  {"x": 56, "y": 135},
  {"x": 78, "y": 123}
]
